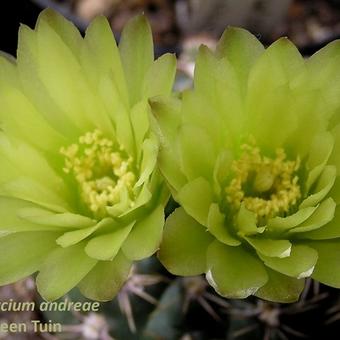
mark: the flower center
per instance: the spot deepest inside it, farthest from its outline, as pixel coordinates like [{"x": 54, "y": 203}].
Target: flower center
[
  {"x": 265, "y": 186},
  {"x": 102, "y": 169}
]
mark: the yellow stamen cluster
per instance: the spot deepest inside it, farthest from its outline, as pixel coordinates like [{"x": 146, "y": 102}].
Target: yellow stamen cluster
[
  {"x": 265, "y": 186},
  {"x": 102, "y": 169}
]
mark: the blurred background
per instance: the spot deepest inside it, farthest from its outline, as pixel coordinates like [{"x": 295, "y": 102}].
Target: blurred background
[
  {"x": 153, "y": 304},
  {"x": 308, "y": 23}
]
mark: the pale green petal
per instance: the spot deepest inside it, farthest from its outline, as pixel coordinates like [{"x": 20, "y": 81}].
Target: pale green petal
[
  {"x": 44, "y": 217},
  {"x": 62, "y": 270},
  {"x": 246, "y": 222},
  {"x": 167, "y": 112},
  {"x": 8, "y": 74},
  {"x": 328, "y": 231},
  {"x": 168, "y": 115},
  {"x": 233, "y": 272},
  {"x": 140, "y": 123},
  {"x": 280, "y": 224},
  {"x": 22, "y": 160},
  {"x": 218, "y": 227},
  {"x": 20, "y": 119},
  {"x": 106, "y": 247},
  {"x": 118, "y": 112},
  {"x": 136, "y": 50},
  {"x": 275, "y": 108},
  {"x": 281, "y": 288},
  {"x": 269, "y": 96},
  {"x": 279, "y": 64},
  {"x": 271, "y": 248},
  {"x": 28, "y": 189},
  {"x": 143, "y": 198},
  {"x": 242, "y": 50},
  {"x": 326, "y": 269},
  {"x": 63, "y": 27},
  {"x": 222, "y": 169},
  {"x": 150, "y": 152},
  {"x": 57, "y": 66},
  {"x": 123, "y": 204},
  {"x": 322, "y": 215},
  {"x": 169, "y": 167},
  {"x": 335, "y": 191},
  {"x": 198, "y": 111},
  {"x": 23, "y": 253},
  {"x": 11, "y": 222},
  {"x": 196, "y": 198},
  {"x": 58, "y": 69},
  {"x": 321, "y": 70},
  {"x": 71, "y": 238},
  {"x": 105, "y": 280},
  {"x": 28, "y": 70},
  {"x": 299, "y": 264},
  {"x": 103, "y": 55},
  {"x": 322, "y": 188},
  {"x": 145, "y": 236},
  {"x": 160, "y": 77},
  {"x": 309, "y": 110},
  {"x": 216, "y": 81},
  {"x": 319, "y": 152},
  {"x": 184, "y": 246},
  {"x": 196, "y": 161},
  {"x": 334, "y": 158}
]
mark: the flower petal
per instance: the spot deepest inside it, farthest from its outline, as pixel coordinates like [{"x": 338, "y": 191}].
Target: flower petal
[
  {"x": 145, "y": 236},
  {"x": 323, "y": 185},
  {"x": 136, "y": 50},
  {"x": 106, "y": 278},
  {"x": 102, "y": 47},
  {"x": 160, "y": 77},
  {"x": 328, "y": 231},
  {"x": 44, "y": 217},
  {"x": 118, "y": 111},
  {"x": 319, "y": 153},
  {"x": 196, "y": 161},
  {"x": 218, "y": 228},
  {"x": 280, "y": 224},
  {"x": 233, "y": 272},
  {"x": 326, "y": 269},
  {"x": 322, "y": 76},
  {"x": 242, "y": 49},
  {"x": 12, "y": 222},
  {"x": 73, "y": 237},
  {"x": 322, "y": 215},
  {"x": 335, "y": 191},
  {"x": 62, "y": 270},
  {"x": 279, "y": 64},
  {"x": 281, "y": 288},
  {"x": 184, "y": 245},
  {"x": 34, "y": 88},
  {"x": 64, "y": 28},
  {"x": 196, "y": 198},
  {"x": 28, "y": 189},
  {"x": 271, "y": 248},
  {"x": 140, "y": 123},
  {"x": 23, "y": 253},
  {"x": 246, "y": 222},
  {"x": 216, "y": 81},
  {"x": 106, "y": 247},
  {"x": 150, "y": 153},
  {"x": 299, "y": 264},
  {"x": 20, "y": 161}
]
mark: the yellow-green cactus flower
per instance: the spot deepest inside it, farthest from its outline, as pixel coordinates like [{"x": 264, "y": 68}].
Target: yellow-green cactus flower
[
  {"x": 80, "y": 194},
  {"x": 252, "y": 155}
]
